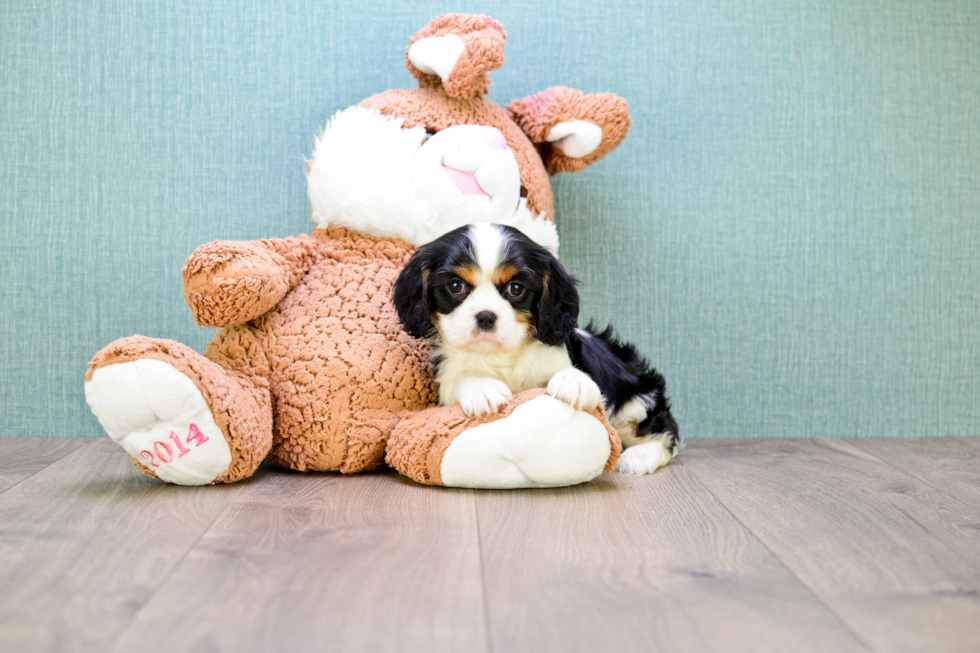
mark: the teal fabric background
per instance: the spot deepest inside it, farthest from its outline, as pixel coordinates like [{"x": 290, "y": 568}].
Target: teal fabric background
[{"x": 791, "y": 231}]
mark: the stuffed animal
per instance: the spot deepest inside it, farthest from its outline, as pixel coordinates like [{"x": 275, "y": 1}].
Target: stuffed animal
[{"x": 311, "y": 370}]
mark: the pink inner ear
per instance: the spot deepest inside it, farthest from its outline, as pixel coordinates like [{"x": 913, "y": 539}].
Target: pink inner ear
[{"x": 464, "y": 181}]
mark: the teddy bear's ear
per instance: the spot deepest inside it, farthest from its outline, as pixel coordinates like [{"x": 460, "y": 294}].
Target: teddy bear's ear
[
  {"x": 572, "y": 129},
  {"x": 457, "y": 52}
]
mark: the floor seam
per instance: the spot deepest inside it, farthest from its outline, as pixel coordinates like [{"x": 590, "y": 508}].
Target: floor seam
[
  {"x": 913, "y": 475},
  {"x": 129, "y": 624},
  {"x": 483, "y": 575},
  {"x": 53, "y": 462},
  {"x": 778, "y": 559}
]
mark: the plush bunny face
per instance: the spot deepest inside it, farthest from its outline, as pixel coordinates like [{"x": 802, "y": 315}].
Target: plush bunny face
[{"x": 416, "y": 164}]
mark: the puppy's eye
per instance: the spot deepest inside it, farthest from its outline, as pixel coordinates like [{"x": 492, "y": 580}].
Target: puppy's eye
[
  {"x": 514, "y": 290},
  {"x": 456, "y": 287}
]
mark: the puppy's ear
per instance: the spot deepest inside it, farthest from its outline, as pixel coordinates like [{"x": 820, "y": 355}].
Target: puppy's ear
[
  {"x": 411, "y": 295},
  {"x": 558, "y": 308}
]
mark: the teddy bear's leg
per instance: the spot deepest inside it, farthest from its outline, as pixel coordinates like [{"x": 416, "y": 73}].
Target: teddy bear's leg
[
  {"x": 535, "y": 441},
  {"x": 183, "y": 417}
]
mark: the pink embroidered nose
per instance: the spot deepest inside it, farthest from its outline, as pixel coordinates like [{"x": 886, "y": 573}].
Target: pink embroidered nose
[
  {"x": 464, "y": 181},
  {"x": 497, "y": 140}
]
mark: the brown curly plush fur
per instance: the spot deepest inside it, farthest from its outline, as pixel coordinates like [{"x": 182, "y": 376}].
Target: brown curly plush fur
[
  {"x": 484, "y": 39},
  {"x": 342, "y": 368},
  {"x": 311, "y": 369},
  {"x": 539, "y": 113}
]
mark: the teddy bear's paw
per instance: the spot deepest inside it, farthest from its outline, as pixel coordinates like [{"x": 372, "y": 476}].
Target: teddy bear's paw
[
  {"x": 575, "y": 388},
  {"x": 544, "y": 442},
  {"x": 161, "y": 419},
  {"x": 644, "y": 458},
  {"x": 227, "y": 283}
]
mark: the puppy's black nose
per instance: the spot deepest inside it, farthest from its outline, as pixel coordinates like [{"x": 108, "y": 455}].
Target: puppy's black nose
[{"x": 485, "y": 320}]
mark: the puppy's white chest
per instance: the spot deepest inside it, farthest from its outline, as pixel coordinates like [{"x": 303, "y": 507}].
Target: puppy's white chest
[{"x": 529, "y": 367}]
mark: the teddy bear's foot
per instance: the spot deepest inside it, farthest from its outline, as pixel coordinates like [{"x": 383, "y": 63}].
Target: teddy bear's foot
[
  {"x": 161, "y": 419},
  {"x": 536, "y": 441},
  {"x": 543, "y": 443},
  {"x": 150, "y": 399}
]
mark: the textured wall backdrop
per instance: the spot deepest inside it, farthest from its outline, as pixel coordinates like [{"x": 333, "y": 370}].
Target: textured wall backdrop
[{"x": 791, "y": 230}]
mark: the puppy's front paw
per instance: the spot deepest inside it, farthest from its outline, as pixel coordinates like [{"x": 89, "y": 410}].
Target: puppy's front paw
[
  {"x": 480, "y": 397},
  {"x": 575, "y": 388},
  {"x": 645, "y": 458}
]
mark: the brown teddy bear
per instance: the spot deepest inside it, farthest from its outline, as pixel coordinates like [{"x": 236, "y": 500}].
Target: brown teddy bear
[{"x": 311, "y": 370}]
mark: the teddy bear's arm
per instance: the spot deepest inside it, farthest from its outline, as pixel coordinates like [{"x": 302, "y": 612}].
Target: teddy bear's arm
[{"x": 228, "y": 282}]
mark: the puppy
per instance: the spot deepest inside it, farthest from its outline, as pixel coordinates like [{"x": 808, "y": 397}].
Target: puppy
[{"x": 501, "y": 313}]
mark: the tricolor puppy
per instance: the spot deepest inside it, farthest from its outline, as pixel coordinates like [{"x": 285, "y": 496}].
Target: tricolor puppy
[{"x": 501, "y": 313}]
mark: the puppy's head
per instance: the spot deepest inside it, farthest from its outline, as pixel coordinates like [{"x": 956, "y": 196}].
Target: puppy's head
[{"x": 486, "y": 288}]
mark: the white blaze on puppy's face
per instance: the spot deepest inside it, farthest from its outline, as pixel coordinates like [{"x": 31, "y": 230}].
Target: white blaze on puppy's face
[{"x": 460, "y": 329}]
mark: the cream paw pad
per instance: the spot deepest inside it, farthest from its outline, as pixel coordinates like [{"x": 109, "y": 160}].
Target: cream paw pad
[{"x": 161, "y": 419}]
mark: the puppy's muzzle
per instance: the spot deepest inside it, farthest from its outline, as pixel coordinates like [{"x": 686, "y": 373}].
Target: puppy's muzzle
[{"x": 485, "y": 320}]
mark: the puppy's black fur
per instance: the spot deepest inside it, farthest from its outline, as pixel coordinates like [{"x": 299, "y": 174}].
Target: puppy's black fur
[
  {"x": 551, "y": 305},
  {"x": 622, "y": 375}
]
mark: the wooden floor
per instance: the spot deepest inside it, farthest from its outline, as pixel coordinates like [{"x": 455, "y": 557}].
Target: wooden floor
[{"x": 739, "y": 545}]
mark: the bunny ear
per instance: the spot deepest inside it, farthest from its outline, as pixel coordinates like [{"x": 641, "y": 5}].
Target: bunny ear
[
  {"x": 576, "y": 138},
  {"x": 575, "y": 129},
  {"x": 457, "y": 52},
  {"x": 436, "y": 55}
]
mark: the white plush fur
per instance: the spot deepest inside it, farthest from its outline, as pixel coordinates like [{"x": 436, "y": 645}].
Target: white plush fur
[
  {"x": 543, "y": 443},
  {"x": 141, "y": 403},
  {"x": 576, "y": 138},
  {"x": 371, "y": 174},
  {"x": 437, "y": 55}
]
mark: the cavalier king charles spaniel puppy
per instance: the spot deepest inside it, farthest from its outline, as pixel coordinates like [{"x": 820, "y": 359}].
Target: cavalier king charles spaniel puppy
[{"x": 501, "y": 314}]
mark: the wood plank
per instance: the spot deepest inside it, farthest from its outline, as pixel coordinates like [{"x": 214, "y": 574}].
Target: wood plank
[
  {"x": 951, "y": 464},
  {"x": 650, "y": 563},
  {"x": 898, "y": 560},
  {"x": 86, "y": 541},
  {"x": 323, "y": 561},
  {"x": 21, "y": 458}
]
